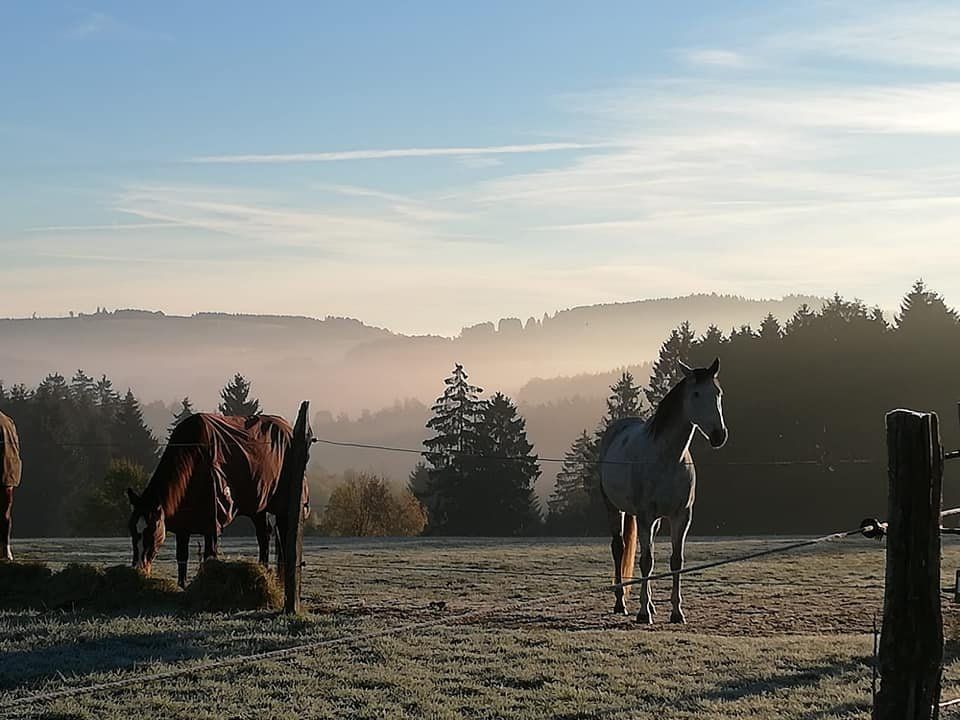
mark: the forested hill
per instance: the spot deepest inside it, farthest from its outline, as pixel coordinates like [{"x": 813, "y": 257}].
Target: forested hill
[{"x": 345, "y": 365}]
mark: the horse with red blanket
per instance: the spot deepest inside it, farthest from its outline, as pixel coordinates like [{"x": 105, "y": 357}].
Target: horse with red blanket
[
  {"x": 9, "y": 480},
  {"x": 213, "y": 469}
]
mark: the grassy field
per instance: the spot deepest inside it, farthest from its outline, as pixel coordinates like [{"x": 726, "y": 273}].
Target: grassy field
[{"x": 787, "y": 636}]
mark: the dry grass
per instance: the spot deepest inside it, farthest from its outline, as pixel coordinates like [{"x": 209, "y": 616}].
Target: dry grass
[{"x": 786, "y": 636}]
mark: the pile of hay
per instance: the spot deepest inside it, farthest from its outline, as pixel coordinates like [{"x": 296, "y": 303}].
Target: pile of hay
[
  {"x": 34, "y": 585},
  {"x": 220, "y": 585},
  {"x": 233, "y": 585}
]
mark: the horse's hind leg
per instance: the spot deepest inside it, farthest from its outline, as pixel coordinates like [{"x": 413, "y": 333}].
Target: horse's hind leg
[
  {"x": 262, "y": 525},
  {"x": 615, "y": 520},
  {"x": 679, "y": 524},
  {"x": 6, "y": 521},
  {"x": 210, "y": 546},
  {"x": 183, "y": 555},
  {"x": 645, "y": 533}
]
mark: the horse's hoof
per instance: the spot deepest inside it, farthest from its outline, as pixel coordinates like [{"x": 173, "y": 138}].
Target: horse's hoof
[
  {"x": 677, "y": 618},
  {"x": 644, "y": 618},
  {"x": 620, "y": 609}
]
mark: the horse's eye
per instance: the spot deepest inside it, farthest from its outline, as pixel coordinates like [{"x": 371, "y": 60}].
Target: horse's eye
[{"x": 696, "y": 393}]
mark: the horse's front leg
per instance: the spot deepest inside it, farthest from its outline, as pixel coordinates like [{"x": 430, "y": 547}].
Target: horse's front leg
[
  {"x": 645, "y": 532},
  {"x": 183, "y": 555},
  {"x": 679, "y": 525}
]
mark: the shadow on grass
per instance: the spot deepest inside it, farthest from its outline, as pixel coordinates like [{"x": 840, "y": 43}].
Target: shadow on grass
[
  {"x": 68, "y": 660},
  {"x": 740, "y": 688}
]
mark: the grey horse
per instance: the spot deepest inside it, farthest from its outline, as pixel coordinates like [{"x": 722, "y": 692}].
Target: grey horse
[{"x": 647, "y": 474}]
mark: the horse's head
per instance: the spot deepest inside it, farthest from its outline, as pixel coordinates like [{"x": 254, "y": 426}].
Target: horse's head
[
  {"x": 703, "y": 402},
  {"x": 147, "y": 530}
]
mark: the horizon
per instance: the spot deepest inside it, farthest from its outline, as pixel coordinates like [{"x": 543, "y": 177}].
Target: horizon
[{"x": 322, "y": 161}]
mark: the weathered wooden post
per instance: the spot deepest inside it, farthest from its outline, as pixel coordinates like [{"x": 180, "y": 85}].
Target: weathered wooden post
[
  {"x": 911, "y": 641},
  {"x": 292, "y": 477}
]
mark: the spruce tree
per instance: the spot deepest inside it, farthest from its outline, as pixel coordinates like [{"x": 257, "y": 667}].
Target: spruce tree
[
  {"x": 924, "y": 311},
  {"x": 83, "y": 388},
  {"x": 624, "y": 399},
  {"x": 132, "y": 439},
  {"x": 185, "y": 411},
  {"x": 770, "y": 329},
  {"x": 106, "y": 397},
  {"x": 666, "y": 370},
  {"x": 456, "y": 416},
  {"x": 569, "y": 505},
  {"x": 499, "y": 487},
  {"x": 235, "y": 398}
]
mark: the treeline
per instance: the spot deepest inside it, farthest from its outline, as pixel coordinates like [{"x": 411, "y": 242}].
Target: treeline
[
  {"x": 82, "y": 443},
  {"x": 805, "y": 404}
]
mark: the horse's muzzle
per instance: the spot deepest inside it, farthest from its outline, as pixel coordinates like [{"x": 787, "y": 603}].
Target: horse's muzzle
[{"x": 718, "y": 438}]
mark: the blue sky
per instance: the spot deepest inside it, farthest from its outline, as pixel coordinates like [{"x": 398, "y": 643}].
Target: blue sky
[{"x": 428, "y": 165}]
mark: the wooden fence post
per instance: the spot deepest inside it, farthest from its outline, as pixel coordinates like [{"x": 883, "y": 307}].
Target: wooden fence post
[
  {"x": 292, "y": 476},
  {"x": 911, "y": 642}
]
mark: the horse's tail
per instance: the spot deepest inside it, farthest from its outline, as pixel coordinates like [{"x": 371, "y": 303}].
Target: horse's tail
[{"x": 629, "y": 549}]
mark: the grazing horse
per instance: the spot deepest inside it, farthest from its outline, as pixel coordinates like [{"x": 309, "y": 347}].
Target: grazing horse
[
  {"x": 647, "y": 474},
  {"x": 213, "y": 469},
  {"x": 9, "y": 480}
]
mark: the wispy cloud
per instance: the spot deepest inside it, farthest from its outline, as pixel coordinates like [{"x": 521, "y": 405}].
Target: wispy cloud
[
  {"x": 111, "y": 227},
  {"x": 93, "y": 23},
  {"x": 716, "y": 58},
  {"x": 917, "y": 34},
  {"x": 335, "y": 156}
]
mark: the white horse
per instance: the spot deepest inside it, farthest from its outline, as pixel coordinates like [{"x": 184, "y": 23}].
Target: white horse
[{"x": 647, "y": 474}]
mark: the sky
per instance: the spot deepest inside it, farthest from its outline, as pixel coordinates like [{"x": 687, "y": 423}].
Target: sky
[{"x": 428, "y": 165}]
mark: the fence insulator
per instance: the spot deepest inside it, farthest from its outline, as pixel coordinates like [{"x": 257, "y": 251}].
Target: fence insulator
[{"x": 872, "y": 528}]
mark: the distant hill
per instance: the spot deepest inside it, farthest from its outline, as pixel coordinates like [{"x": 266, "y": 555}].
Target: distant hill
[{"x": 343, "y": 365}]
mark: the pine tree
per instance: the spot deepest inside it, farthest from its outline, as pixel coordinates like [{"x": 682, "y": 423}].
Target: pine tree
[
  {"x": 83, "y": 388},
  {"x": 132, "y": 439},
  {"x": 235, "y": 398},
  {"x": 569, "y": 505},
  {"x": 666, "y": 370},
  {"x": 770, "y": 329},
  {"x": 106, "y": 397},
  {"x": 456, "y": 414},
  {"x": 803, "y": 318},
  {"x": 624, "y": 400},
  {"x": 456, "y": 417},
  {"x": 185, "y": 411},
  {"x": 925, "y": 312},
  {"x": 499, "y": 487}
]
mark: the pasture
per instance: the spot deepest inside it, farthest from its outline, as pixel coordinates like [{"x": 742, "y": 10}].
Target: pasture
[{"x": 785, "y": 636}]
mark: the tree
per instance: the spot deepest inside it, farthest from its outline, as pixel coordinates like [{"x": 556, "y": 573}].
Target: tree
[
  {"x": 770, "y": 331},
  {"x": 235, "y": 398},
  {"x": 104, "y": 507},
  {"x": 924, "y": 311},
  {"x": 185, "y": 411},
  {"x": 365, "y": 505},
  {"x": 131, "y": 437},
  {"x": 455, "y": 420},
  {"x": 624, "y": 399},
  {"x": 666, "y": 370},
  {"x": 569, "y": 506},
  {"x": 497, "y": 495}
]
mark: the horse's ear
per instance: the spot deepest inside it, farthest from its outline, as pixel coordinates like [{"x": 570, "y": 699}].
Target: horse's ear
[
  {"x": 685, "y": 369},
  {"x": 715, "y": 367},
  {"x": 134, "y": 498}
]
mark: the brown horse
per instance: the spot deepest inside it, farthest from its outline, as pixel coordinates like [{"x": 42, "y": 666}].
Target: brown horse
[
  {"x": 9, "y": 480},
  {"x": 213, "y": 469}
]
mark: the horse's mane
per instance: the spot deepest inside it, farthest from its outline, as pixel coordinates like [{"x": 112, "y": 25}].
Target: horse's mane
[
  {"x": 667, "y": 410},
  {"x": 191, "y": 445}
]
